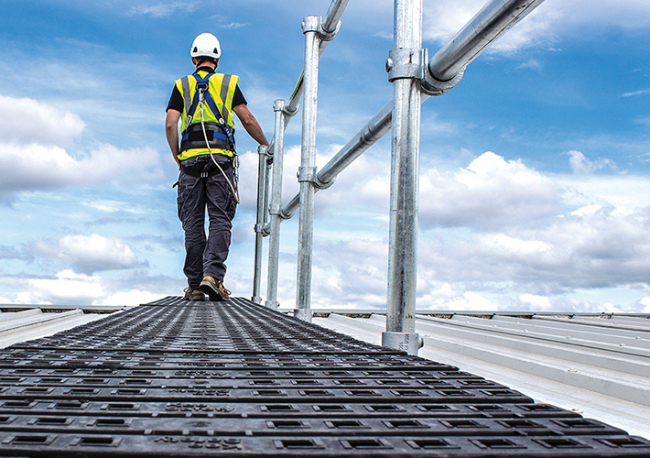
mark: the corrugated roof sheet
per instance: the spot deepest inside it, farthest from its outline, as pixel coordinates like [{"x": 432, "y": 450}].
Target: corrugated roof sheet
[
  {"x": 597, "y": 365},
  {"x": 19, "y": 323}
]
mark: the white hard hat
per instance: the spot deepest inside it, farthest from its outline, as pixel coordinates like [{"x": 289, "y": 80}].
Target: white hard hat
[{"x": 207, "y": 45}]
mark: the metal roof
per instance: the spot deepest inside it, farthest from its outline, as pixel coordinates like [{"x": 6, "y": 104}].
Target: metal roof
[
  {"x": 176, "y": 378},
  {"x": 19, "y": 323},
  {"x": 595, "y": 364}
]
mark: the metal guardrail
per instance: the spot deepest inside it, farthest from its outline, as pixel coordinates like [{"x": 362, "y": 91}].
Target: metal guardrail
[{"x": 414, "y": 79}]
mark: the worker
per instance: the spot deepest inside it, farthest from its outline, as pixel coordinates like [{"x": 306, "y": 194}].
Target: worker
[{"x": 205, "y": 102}]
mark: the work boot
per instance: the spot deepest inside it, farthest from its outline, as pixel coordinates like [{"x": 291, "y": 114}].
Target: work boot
[
  {"x": 193, "y": 295},
  {"x": 214, "y": 289}
]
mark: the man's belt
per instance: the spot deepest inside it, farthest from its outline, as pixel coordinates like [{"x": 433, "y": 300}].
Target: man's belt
[
  {"x": 197, "y": 169},
  {"x": 194, "y": 137}
]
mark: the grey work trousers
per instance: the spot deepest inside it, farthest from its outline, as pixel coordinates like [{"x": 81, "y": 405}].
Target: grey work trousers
[{"x": 206, "y": 256}]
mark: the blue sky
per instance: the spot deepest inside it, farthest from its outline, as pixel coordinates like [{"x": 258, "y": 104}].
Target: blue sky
[{"x": 534, "y": 177}]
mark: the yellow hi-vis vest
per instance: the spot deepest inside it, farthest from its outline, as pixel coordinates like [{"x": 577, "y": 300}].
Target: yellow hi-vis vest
[{"x": 221, "y": 89}]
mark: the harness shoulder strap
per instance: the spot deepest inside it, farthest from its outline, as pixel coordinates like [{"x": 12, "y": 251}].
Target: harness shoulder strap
[{"x": 202, "y": 87}]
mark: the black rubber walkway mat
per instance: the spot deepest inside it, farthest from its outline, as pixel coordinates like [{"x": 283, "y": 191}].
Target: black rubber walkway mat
[{"x": 178, "y": 378}]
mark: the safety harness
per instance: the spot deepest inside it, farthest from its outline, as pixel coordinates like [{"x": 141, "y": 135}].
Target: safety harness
[
  {"x": 220, "y": 135},
  {"x": 208, "y": 134}
]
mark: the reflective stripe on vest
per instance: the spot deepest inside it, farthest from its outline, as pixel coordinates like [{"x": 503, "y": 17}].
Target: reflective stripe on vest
[{"x": 219, "y": 97}]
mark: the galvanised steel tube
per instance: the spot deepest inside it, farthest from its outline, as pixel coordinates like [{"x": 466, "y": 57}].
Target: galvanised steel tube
[
  {"x": 381, "y": 123},
  {"x": 262, "y": 177},
  {"x": 405, "y": 146},
  {"x": 487, "y": 25},
  {"x": 311, "y": 27},
  {"x": 276, "y": 207},
  {"x": 376, "y": 128},
  {"x": 331, "y": 20},
  {"x": 329, "y": 27}
]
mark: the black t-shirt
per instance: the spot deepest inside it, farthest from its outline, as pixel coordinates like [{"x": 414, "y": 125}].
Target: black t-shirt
[{"x": 176, "y": 100}]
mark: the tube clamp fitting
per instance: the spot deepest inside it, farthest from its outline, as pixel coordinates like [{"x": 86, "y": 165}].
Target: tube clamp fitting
[
  {"x": 291, "y": 113},
  {"x": 406, "y": 63},
  {"x": 263, "y": 150},
  {"x": 279, "y": 105},
  {"x": 432, "y": 86},
  {"x": 275, "y": 209},
  {"x": 315, "y": 24},
  {"x": 402, "y": 341},
  {"x": 306, "y": 174},
  {"x": 309, "y": 174}
]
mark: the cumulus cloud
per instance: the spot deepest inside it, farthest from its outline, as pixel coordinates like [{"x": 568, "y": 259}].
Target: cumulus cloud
[
  {"x": 492, "y": 228},
  {"x": 581, "y": 165},
  {"x": 41, "y": 167},
  {"x": 87, "y": 253},
  {"x": 444, "y": 18},
  {"x": 66, "y": 287},
  {"x": 27, "y": 121},
  {"x": 490, "y": 192},
  {"x": 248, "y": 171},
  {"x": 33, "y": 154},
  {"x": 594, "y": 249}
]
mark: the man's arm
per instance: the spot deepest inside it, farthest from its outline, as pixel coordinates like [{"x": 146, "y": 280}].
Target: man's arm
[
  {"x": 171, "y": 129},
  {"x": 250, "y": 123}
]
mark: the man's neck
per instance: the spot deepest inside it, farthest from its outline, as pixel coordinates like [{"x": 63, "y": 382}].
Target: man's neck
[{"x": 205, "y": 68}]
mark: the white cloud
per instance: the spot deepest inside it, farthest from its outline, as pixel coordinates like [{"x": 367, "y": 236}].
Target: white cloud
[
  {"x": 515, "y": 238},
  {"x": 161, "y": 9},
  {"x": 584, "y": 250},
  {"x": 580, "y": 164},
  {"x": 66, "y": 288},
  {"x": 27, "y": 121},
  {"x": 38, "y": 167},
  {"x": 34, "y": 154},
  {"x": 88, "y": 253},
  {"x": 133, "y": 297},
  {"x": 490, "y": 192},
  {"x": 532, "y": 64},
  {"x": 635, "y": 93},
  {"x": 443, "y": 19},
  {"x": 541, "y": 303},
  {"x": 625, "y": 192},
  {"x": 646, "y": 303}
]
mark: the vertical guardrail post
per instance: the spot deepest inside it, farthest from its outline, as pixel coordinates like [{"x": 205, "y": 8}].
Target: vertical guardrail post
[
  {"x": 405, "y": 66},
  {"x": 262, "y": 179},
  {"x": 311, "y": 27},
  {"x": 276, "y": 206}
]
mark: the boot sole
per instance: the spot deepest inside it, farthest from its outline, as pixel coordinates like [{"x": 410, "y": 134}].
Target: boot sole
[{"x": 214, "y": 294}]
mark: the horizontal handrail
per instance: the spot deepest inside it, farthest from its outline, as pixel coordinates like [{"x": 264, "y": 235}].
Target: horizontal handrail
[
  {"x": 488, "y": 24},
  {"x": 329, "y": 25},
  {"x": 492, "y": 21}
]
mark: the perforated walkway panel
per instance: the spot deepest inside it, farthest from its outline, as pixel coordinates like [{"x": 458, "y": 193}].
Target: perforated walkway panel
[{"x": 175, "y": 378}]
